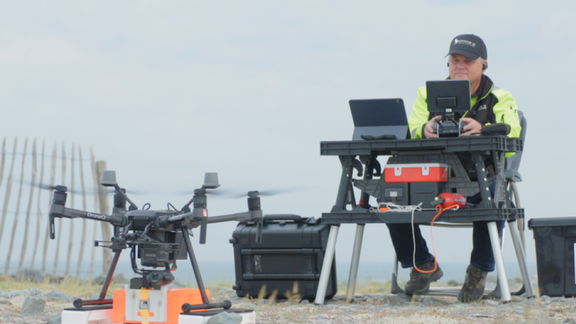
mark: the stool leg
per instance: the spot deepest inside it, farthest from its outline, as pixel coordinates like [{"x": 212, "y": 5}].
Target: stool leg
[
  {"x": 502, "y": 278},
  {"x": 521, "y": 258},
  {"x": 395, "y": 289},
  {"x": 354, "y": 263},
  {"x": 326, "y": 265}
]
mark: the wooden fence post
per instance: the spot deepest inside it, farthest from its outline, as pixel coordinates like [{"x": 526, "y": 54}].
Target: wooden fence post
[
  {"x": 39, "y": 211},
  {"x": 106, "y": 232},
  {"x": 71, "y": 236},
  {"x": 2, "y": 163},
  {"x": 8, "y": 190},
  {"x": 94, "y": 228},
  {"x": 83, "y": 237},
  {"x": 30, "y": 199},
  {"x": 15, "y": 224}
]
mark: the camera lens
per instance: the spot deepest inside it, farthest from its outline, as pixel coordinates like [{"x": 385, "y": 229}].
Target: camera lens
[{"x": 154, "y": 277}]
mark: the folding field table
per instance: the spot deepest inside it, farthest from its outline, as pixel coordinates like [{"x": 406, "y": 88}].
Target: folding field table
[{"x": 356, "y": 155}]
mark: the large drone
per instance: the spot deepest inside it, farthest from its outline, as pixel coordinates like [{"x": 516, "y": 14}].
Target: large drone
[{"x": 157, "y": 237}]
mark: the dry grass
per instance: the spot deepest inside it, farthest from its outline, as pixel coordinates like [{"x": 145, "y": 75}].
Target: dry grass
[
  {"x": 69, "y": 286},
  {"x": 368, "y": 286}
]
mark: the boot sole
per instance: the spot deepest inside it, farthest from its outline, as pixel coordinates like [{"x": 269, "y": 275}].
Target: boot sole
[
  {"x": 435, "y": 277},
  {"x": 468, "y": 298}
]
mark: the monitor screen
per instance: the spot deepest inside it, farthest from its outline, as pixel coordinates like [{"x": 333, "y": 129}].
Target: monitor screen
[{"x": 448, "y": 96}]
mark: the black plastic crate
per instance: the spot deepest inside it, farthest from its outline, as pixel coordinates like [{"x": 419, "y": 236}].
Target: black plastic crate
[
  {"x": 555, "y": 241},
  {"x": 291, "y": 254}
]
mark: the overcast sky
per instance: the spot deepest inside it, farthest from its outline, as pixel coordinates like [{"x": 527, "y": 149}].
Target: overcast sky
[{"x": 166, "y": 91}]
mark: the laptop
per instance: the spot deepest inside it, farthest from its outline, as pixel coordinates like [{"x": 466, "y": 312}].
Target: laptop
[{"x": 375, "y": 118}]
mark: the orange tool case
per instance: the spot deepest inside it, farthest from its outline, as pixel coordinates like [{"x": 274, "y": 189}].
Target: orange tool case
[{"x": 416, "y": 172}]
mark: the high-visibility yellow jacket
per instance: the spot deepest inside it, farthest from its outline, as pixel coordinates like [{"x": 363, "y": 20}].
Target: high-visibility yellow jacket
[{"x": 490, "y": 104}]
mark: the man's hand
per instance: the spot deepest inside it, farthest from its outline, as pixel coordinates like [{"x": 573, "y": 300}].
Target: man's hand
[
  {"x": 473, "y": 127},
  {"x": 429, "y": 130}
]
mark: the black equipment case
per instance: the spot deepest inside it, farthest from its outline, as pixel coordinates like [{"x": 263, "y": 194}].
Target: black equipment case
[
  {"x": 288, "y": 261},
  {"x": 555, "y": 255}
]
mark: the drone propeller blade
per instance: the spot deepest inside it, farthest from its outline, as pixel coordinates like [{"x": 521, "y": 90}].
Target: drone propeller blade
[
  {"x": 270, "y": 193},
  {"x": 50, "y": 188},
  {"x": 136, "y": 192},
  {"x": 88, "y": 192},
  {"x": 210, "y": 192}
]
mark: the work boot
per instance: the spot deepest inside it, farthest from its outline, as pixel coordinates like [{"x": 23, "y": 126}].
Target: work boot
[
  {"x": 419, "y": 282},
  {"x": 473, "y": 287}
]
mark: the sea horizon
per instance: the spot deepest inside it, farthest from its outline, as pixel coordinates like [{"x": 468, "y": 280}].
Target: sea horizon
[{"x": 224, "y": 271}]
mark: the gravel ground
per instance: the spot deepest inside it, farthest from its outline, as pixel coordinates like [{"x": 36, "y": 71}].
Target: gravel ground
[
  {"x": 386, "y": 308},
  {"x": 367, "y": 308}
]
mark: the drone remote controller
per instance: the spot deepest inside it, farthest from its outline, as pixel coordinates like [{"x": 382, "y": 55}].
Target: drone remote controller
[{"x": 449, "y": 128}]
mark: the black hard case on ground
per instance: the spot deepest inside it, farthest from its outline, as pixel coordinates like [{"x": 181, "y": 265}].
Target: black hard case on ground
[
  {"x": 291, "y": 253},
  {"x": 555, "y": 255}
]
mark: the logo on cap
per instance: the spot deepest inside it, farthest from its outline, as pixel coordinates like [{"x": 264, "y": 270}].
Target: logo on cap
[{"x": 464, "y": 42}]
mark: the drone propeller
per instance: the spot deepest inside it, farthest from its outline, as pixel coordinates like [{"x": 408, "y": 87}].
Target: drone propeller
[
  {"x": 50, "y": 188},
  {"x": 210, "y": 192},
  {"x": 89, "y": 192},
  {"x": 270, "y": 193}
]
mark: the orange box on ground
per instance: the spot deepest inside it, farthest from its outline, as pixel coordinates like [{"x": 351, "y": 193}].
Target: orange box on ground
[
  {"x": 176, "y": 298},
  {"x": 416, "y": 172}
]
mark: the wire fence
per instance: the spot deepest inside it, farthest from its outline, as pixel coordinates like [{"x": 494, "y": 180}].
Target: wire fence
[{"x": 28, "y": 174}]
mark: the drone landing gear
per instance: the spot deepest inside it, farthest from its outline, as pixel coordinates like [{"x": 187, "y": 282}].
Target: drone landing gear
[
  {"x": 148, "y": 305},
  {"x": 166, "y": 306}
]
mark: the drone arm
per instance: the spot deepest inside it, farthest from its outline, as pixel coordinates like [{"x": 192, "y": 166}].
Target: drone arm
[
  {"x": 199, "y": 215},
  {"x": 57, "y": 210},
  {"x": 167, "y": 221},
  {"x": 195, "y": 220},
  {"x": 239, "y": 217},
  {"x": 253, "y": 215}
]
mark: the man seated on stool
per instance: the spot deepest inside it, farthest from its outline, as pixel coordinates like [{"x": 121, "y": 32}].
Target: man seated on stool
[{"x": 490, "y": 105}]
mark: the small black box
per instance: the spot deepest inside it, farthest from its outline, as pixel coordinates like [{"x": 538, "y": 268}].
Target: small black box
[
  {"x": 425, "y": 192},
  {"x": 555, "y": 241},
  {"x": 395, "y": 192},
  {"x": 290, "y": 255}
]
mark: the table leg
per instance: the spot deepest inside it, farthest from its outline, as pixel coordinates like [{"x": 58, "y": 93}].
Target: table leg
[
  {"x": 502, "y": 278},
  {"x": 354, "y": 263},
  {"x": 327, "y": 265},
  {"x": 521, "y": 258},
  {"x": 483, "y": 184}
]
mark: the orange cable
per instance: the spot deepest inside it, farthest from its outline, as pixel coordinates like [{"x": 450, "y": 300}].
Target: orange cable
[{"x": 440, "y": 210}]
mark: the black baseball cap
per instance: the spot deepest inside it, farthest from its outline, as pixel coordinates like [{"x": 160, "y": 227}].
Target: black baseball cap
[{"x": 468, "y": 45}]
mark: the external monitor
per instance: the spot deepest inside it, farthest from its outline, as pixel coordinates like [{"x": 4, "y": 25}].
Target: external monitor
[
  {"x": 448, "y": 97},
  {"x": 379, "y": 118}
]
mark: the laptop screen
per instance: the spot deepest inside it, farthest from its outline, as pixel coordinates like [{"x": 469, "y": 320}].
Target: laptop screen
[{"x": 378, "y": 117}]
